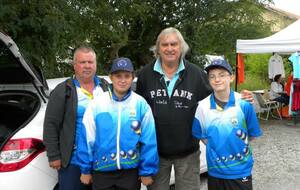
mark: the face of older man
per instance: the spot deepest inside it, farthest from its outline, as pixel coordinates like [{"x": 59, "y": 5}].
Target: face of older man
[
  {"x": 85, "y": 66},
  {"x": 169, "y": 49}
]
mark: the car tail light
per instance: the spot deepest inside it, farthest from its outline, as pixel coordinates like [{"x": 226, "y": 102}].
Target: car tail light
[{"x": 17, "y": 153}]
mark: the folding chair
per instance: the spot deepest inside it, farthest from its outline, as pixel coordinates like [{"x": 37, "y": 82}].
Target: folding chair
[{"x": 267, "y": 106}]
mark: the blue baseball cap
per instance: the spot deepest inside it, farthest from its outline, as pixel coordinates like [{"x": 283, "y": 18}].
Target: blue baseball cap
[
  {"x": 121, "y": 64},
  {"x": 219, "y": 63}
]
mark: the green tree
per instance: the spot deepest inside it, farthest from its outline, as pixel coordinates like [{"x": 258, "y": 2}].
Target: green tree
[
  {"x": 48, "y": 31},
  {"x": 40, "y": 29}
]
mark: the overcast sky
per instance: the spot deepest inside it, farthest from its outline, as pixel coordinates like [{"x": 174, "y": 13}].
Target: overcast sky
[{"x": 292, "y": 6}]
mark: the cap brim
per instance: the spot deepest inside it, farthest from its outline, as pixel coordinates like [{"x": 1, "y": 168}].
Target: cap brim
[
  {"x": 128, "y": 70},
  {"x": 216, "y": 66}
]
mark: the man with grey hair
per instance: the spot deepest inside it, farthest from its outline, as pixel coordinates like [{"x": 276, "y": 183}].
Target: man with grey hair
[
  {"x": 63, "y": 127},
  {"x": 172, "y": 86}
]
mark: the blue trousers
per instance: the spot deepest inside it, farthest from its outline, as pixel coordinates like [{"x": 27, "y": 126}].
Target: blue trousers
[{"x": 69, "y": 179}]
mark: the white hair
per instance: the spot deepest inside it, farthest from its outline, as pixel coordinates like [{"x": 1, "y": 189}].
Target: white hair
[{"x": 184, "y": 47}]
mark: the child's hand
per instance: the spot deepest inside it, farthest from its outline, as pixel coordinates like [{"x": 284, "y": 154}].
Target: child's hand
[
  {"x": 146, "y": 180},
  {"x": 86, "y": 179}
]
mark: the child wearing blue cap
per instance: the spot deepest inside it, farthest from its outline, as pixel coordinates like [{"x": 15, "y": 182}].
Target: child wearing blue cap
[
  {"x": 119, "y": 149},
  {"x": 227, "y": 124}
]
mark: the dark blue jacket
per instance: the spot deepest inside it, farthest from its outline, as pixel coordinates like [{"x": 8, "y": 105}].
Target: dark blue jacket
[{"x": 174, "y": 116}]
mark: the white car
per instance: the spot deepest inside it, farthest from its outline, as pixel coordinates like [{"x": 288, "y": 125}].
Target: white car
[{"x": 23, "y": 100}]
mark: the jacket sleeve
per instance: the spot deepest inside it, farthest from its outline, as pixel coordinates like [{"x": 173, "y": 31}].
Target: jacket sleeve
[
  {"x": 252, "y": 123},
  {"x": 203, "y": 84},
  {"x": 139, "y": 86},
  {"x": 149, "y": 162},
  {"x": 53, "y": 122},
  {"x": 198, "y": 129},
  {"x": 85, "y": 149}
]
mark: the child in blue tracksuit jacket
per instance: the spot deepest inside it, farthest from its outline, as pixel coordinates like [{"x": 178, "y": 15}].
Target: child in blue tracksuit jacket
[
  {"x": 119, "y": 145},
  {"x": 227, "y": 124}
]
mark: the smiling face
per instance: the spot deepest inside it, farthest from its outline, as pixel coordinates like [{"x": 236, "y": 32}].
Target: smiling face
[
  {"x": 220, "y": 80},
  {"x": 169, "y": 49},
  {"x": 121, "y": 81},
  {"x": 85, "y": 65}
]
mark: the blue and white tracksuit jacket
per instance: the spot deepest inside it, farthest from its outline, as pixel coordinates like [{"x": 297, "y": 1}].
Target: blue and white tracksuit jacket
[
  {"x": 83, "y": 99},
  {"x": 119, "y": 134},
  {"x": 228, "y": 151}
]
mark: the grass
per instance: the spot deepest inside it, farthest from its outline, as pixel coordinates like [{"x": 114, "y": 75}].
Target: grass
[{"x": 253, "y": 82}]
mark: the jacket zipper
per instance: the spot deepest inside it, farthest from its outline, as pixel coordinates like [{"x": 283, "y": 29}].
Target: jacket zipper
[{"x": 118, "y": 136}]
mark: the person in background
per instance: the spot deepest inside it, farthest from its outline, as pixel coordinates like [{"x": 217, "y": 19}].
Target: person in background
[
  {"x": 226, "y": 124},
  {"x": 120, "y": 144},
  {"x": 277, "y": 93},
  {"x": 63, "y": 117},
  {"x": 172, "y": 86}
]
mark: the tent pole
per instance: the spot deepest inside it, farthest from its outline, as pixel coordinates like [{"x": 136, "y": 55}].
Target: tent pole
[{"x": 236, "y": 71}]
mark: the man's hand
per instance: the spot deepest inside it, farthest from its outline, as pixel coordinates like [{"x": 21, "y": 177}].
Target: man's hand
[
  {"x": 146, "y": 180},
  {"x": 56, "y": 164},
  {"x": 247, "y": 95},
  {"x": 86, "y": 178}
]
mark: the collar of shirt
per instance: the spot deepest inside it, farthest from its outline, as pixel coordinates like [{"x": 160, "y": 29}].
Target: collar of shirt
[
  {"x": 77, "y": 84},
  {"x": 230, "y": 103},
  {"x": 115, "y": 97},
  {"x": 157, "y": 67},
  {"x": 96, "y": 81},
  {"x": 170, "y": 83}
]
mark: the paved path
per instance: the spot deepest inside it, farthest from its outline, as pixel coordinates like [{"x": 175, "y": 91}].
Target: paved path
[{"x": 277, "y": 157}]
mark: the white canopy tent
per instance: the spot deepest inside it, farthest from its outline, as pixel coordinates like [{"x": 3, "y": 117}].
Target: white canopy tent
[{"x": 284, "y": 41}]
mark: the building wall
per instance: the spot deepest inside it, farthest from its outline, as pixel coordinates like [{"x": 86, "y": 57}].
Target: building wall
[{"x": 278, "y": 18}]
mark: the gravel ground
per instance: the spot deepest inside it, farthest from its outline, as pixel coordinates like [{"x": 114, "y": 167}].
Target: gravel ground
[{"x": 277, "y": 157}]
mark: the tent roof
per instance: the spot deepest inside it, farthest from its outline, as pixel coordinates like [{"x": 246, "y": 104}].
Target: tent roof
[{"x": 284, "y": 41}]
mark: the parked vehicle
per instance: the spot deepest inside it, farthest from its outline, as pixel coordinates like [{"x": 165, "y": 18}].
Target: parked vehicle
[{"x": 23, "y": 100}]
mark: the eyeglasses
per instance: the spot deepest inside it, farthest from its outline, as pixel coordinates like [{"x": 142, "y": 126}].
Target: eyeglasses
[{"x": 219, "y": 76}]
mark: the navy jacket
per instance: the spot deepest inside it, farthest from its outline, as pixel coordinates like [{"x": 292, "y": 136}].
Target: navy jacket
[{"x": 174, "y": 116}]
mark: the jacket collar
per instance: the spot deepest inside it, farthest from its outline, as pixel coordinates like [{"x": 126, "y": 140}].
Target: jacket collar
[
  {"x": 96, "y": 81},
  {"x": 157, "y": 67},
  {"x": 114, "y": 96},
  {"x": 230, "y": 103}
]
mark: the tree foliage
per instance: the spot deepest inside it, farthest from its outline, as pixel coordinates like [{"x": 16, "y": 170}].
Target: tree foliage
[{"x": 48, "y": 31}]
